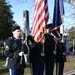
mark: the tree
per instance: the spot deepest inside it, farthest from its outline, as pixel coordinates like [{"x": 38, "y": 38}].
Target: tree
[
  {"x": 6, "y": 19},
  {"x": 71, "y": 33}
]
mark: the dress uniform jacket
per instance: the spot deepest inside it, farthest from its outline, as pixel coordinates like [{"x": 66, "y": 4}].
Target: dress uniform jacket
[
  {"x": 49, "y": 47},
  {"x": 61, "y": 52},
  {"x": 35, "y": 50},
  {"x": 12, "y": 48}
]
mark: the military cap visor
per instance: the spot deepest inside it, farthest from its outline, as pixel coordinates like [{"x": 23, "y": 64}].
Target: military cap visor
[
  {"x": 15, "y": 28},
  {"x": 48, "y": 26}
]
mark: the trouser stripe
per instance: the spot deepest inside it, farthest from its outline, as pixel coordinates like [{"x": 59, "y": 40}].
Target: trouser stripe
[{"x": 10, "y": 73}]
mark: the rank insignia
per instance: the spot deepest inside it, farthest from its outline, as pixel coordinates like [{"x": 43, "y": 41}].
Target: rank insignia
[
  {"x": 30, "y": 42},
  {"x": 7, "y": 47}
]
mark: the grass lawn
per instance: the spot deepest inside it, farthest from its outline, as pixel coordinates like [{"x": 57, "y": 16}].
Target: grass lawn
[
  {"x": 69, "y": 65},
  {"x": 4, "y": 71}
]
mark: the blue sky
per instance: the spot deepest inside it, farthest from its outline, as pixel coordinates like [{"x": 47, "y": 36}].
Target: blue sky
[{"x": 18, "y": 7}]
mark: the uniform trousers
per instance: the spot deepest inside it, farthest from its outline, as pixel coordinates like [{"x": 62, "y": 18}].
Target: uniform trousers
[
  {"x": 16, "y": 71},
  {"x": 59, "y": 68},
  {"x": 49, "y": 66},
  {"x": 37, "y": 68}
]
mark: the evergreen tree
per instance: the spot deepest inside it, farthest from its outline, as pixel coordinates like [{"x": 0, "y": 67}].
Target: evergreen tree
[{"x": 6, "y": 19}]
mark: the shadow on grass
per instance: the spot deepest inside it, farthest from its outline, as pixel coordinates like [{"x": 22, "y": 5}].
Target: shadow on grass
[{"x": 3, "y": 70}]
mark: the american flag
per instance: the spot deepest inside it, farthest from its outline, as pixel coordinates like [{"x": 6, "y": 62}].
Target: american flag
[{"x": 41, "y": 16}]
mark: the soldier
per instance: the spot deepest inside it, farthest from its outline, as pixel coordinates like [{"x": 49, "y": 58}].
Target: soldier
[
  {"x": 60, "y": 56},
  {"x": 36, "y": 59},
  {"x": 15, "y": 50},
  {"x": 49, "y": 45}
]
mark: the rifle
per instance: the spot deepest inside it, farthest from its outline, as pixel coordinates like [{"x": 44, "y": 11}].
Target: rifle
[{"x": 23, "y": 38}]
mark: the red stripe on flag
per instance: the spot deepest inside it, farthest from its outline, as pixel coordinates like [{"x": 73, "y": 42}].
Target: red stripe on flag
[{"x": 41, "y": 17}]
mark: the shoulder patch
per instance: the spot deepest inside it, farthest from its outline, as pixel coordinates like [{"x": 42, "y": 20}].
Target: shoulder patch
[
  {"x": 10, "y": 37},
  {"x": 6, "y": 47}
]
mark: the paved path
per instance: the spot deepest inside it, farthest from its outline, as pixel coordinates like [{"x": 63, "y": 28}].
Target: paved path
[{"x": 70, "y": 73}]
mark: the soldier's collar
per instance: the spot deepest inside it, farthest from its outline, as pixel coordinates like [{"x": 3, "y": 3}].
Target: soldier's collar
[{"x": 16, "y": 39}]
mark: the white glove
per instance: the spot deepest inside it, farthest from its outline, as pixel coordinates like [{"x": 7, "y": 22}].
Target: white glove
[{"x": 21, "y": 53}]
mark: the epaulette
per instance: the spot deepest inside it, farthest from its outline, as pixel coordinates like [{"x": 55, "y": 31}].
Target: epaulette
[{"x": 10, "y": 38}]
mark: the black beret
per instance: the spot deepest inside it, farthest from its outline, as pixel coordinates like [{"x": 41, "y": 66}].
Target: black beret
[
  {"x": 15, "y": 27},
  {"x": 48, "y": 25}
]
